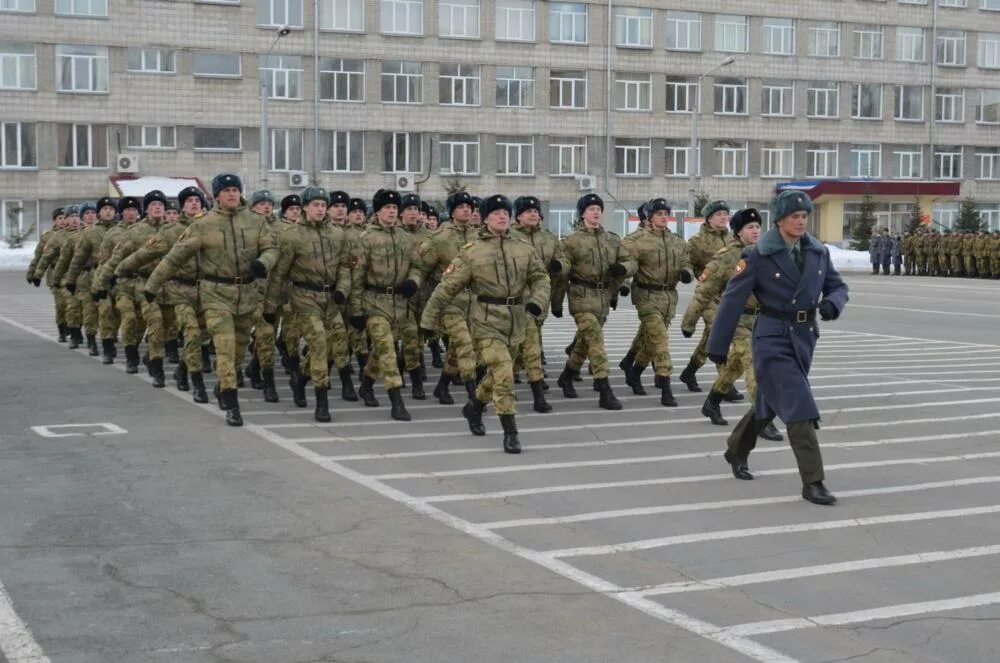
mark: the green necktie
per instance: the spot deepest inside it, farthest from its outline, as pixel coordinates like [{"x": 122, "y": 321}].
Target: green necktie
[{"x": 800, "y": 262}]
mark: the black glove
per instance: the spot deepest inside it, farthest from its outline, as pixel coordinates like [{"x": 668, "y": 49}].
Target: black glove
[
  {"x": 71, "y": 288},
  {"x": 623, "y": 290},
  {"x": 557, "y": 311},
  {"x": 686, "y": 276},
  {"x": 555, "y": 266},
  {"x": 150, "y": 297},
  {"x": 617, "y": 270},
  {"x": 100, "y": 294},
  {"x": 533, "y": 308},
  {"x": 614, "y": 303},
  {"x": 338, "y": 298},
  {"x": 427, "y": 333},
  {"x": 270, "y": 318},
  {"x": 113, "y": 281},
  {"x": 258, "y": 269},
  {"x": 827, "y": 310},
  {"x": 407, "y": 288},
  {"x": 37, "y": 282},
  {"x": 358, "y": 322},
  {"x": 718, "y": 359},
  {"x": 688, "y": 333}
]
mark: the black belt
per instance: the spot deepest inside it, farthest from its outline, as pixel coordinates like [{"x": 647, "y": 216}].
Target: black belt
[
  {"x": 315, "y": 287},
  {"x": 228, "y": 280},
  {"x": 387, "y": 290},
  {"x": 500, "y": 301},
  {"x": 588, "y": 284},
  {"x": 750, "y": 310},
  {"x": 655, "y": 287},
  {"x": 184, "y": 281},
  {"x": 804, "y": 315}
]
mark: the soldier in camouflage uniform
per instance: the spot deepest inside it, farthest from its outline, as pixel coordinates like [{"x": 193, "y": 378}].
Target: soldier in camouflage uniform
[
  {"x": 995, "y": 254},
  {"x": 386, "y": 274},
  {"x": 290, "y": 337},
  {"x": 61, "y": 260},
  {"x": 357, "y": 339},
  {"x": 909, "y": 253},
  {"x": 58, "y": 219},
  {"x": 955, "y": 254},
  {"x": 944, "y": 254},
  {"x": 507, "y": 280},
  {"x": 983, "y": 255},
  {"x": 315, "y": 261},
  {"x": 44, "y": 265},
  {"x": 108, "y": 317},
  {"x": 412, "y": 356},
  {"x": 338, "y": 208},
  {"x": 79, "y": 274},
  {"x": 234, "y": 247},
  {"x": 84, "y": 307},
  {"x": 969, "y": 255},
  {"x": 429, "y": 218}
]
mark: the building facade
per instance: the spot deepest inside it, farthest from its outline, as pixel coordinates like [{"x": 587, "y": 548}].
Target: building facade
[{"x": 519, "y": 96}]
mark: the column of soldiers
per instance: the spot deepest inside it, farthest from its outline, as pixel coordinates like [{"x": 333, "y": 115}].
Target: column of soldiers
[{"x": 951, "y": 253}]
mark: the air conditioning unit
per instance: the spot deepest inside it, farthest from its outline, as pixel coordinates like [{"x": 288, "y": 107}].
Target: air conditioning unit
[
  {"x": 405, "y": 182},
  {"x": 586, "y": 182},
  {"x": 127, "y": 163},
  {"x": 298, "y": 179}
]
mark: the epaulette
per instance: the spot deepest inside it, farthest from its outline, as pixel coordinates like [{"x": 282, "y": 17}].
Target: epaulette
[
  {"x": 467, "y": 245},
  {"x": 721, "y": 251}
]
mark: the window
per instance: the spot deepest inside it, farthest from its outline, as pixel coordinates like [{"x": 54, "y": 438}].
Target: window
[
  {"x": 341, "y": 79},
  {"x": 731, "y": 33},
  {"x": 908, "y": 163},
  {"x": 948, "y": 163},
  {"x": 634, "y": 27},
  {"x": 515, "y": 155},
  {"x": 869, "y": 42},
  {"x": 18, "y": 216},
  {"x": 286, "y": 149},
  {"x": 459, "y": 154},
  {"x": 567, "y": 156},
  {"x": 282, "y": 76},
  {"x": 17, "y": 66},
  {"x": 341, "y": 151},
  {"x": 222, "y": 65},
  {"x": 402, "y": 152},
  {"x": 910, "y": 44},
  {"x": 990, "y": 4},
  {"x": 824, "y": 40},
  {"x": 458, "y": 85},
  {"x": 567, "y": 23},
  {"x": 683, "y": 31},
  {"x": 95, "y": 8},
  {"x": 17, "y": 5},
  {"x": 949, "y": 105},
  {"x": 279, "y": 12},
  {"x": 779, "y": 36},
  {"x": 989, "y": 50},
  {"x": 17, "y": 145},
  {"x": 153, "y": 137},
  {"x": 342, "y": 15},
  {"x": 81, "y": 68},
  {"x": 152, "y": 60},
  {"x": 458, "y": 18},
  {"x": 633, "y": 92},
  {"x": 950, "y": 48},
  {"x": 988, "y": 109},
  {"x": 988, "y": 160},
  {"x": 777, "y": 98},
  {"x": 562, "y": 220},
  {"x": 402, "y": 83},
  {"x": 866, "y": 161},
  {"x": 866, "y": 101},
  {"x": 682, "y": 95},
  {"x": 776, "y": 160},
  {"x": 515, "y": 87},
  {"x": 83, "y": 145},
  {"x": 567, "y": 89},
  {"x": 821, "y": 160},
  {"x": 515, "y": 20},
  {"x": 403, "y": 17},
  {"x": 731, "y": 159},
  {"x": 217, "y": 139},
  {"x": 731, "y": 96},
  {"x": 632, "y": 157},
  {"x": 910, "y": 103},
  {"x": 823, "y": 99},
  {"x": 952, "y": 3},
  {"x": 989, "y": 215},
  {"x": 677, "y": 154}
]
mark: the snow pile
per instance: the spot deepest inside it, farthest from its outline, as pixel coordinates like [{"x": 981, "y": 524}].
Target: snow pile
[
  {"x": 140, "y": 186},
  {"x": 15, "y": 259},
  {"x": 849, "y": 261}
]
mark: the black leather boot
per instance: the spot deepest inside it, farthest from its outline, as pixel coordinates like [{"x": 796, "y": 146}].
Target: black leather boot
[
  {"x": 817, "y": 493},
  {"x": 565, "y": 381},
  {"x": 240, "y": 378},
  {"x": 220, "y": 399},
  {"x": 347, "y": 392},
  {"x": 607, "y": 398},
  {"x": 131, "y": 359},
  {"x": 270, "y": 390},
  {"x": 322, "y": 413},
  {"x": 170, "y": 350},
  {"x": 511, "y": 444},
  {"x": 398, "y": 411},
  {"x": 233, "y": 416},
  {"x": 739, "y": 467},
  {"x": 441, "y": 390},
  {"x": 401, "y": 366},
  {"x": 367, "y": 391},
  {"x": 108, "y": 350},
  {"x": 633, "y": 378},
  {"x": 75, "y": 338},
  {"x": 711, "y": 408},
  {"x": 541, "y": 405},
  {"x": 253, "y": 372},
  {"x": 362, "y": 362},
  {"x": 198, "y": 394},
  {"x": 297, "y": 383},
  {"x": 206, "y": 359},
  {"x": 771, "y": 433},
  {"x": 689, "y": 378},
  {"x": 92, "y": 345},
  {"x": 473, "y": 413},
  {"x": 435, "y": 348},
  {"x": 155, "y": 369},
  {"x": 666, "y": 394},
  {"x": 470, "y": 388},
  {"x": 626, "y": 363},
  {"x": 62, "y": 333},
  {"x": 733, "y": 396},
  {"x": 181, "y": 377},
  {"x": 417, "y": 384}
]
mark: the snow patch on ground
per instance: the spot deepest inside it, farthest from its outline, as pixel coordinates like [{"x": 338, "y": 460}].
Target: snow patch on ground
[
  {"x": 170, "y": 186},
  {"x": 14, "y": 259},
  {"x": 846, "y": 260}
]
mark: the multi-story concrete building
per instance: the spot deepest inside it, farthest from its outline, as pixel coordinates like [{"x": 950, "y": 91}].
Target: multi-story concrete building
[{"x": 516, "y": 96}]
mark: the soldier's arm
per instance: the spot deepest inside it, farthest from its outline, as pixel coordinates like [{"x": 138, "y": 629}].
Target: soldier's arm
[
  {"x": 834, "y": 288},
  {"x": 738, "y": 289},
  {"x": 539, "y": 283},
  {"x": 628, "y": 256},
  {"x": 686, "y": 263},
  {"x": 81, "y": 257},
  {"x": 155, "y": 248},
  {"x": 710, "y": 285},
  {"x": 427, "y": 257},
  {"x": 278, "y": 277},
  {"x": 39, "y": 250},
  {"x": 267, "y": 246},
  {"x": 345, "y": 273},
  {"x": 65, "y": 256},
  {"x": 185, "y": 248},
  {"x": 122, "y": 249},
  {"x": 359, "y": 270},
  {"x": 456, "y": 277},
  {"x": 417, "y": 267},
  {"x": 49, "y": 255}
]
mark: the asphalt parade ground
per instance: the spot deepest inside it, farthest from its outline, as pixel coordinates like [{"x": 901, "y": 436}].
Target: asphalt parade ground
[{"x": 137, "y": 527}]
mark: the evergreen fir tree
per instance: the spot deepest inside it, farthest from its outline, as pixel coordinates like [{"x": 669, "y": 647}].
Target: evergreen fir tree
[
  {"x": 701, "y": 198},
  {"x": 969, "y": 220},
  {"x": 861, "y": 231},
  {"x": 916, "y": 217}
]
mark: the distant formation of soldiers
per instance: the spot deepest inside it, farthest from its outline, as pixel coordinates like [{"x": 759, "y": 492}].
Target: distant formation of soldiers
[{"x": 947, "y": 253}]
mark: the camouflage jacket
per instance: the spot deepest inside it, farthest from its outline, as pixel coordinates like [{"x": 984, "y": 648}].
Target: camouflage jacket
[
  {"x": 983, "y": 246},
  {"x": 133, "y": 239},
  {"x": 316, "y": 255},
  {"x": 39, "y": 250},
  {"x": 588, "y": 254},
  {"x": 436, "y": 253},
  {"x": 655, "y": 257},
  {"x": 60, "y": 241},
  {"x": 711, "y": 285},
  {"x": 181, "y": 288},
  {"x": 548, "y": 248},
  {"x": 383, "y": 258},
  {"x": 705, "y": 245},
  {"x": 87, "y": 252}
]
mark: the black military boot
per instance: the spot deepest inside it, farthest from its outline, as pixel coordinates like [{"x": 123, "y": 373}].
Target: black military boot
[
  {"x": 367, "y": 391},
  {"x": 607, "y": 398},
  {"x": 689, "y": 378},
  {"x": 769, "y": 432},
  {"x": 155, "y": 370},
  {"x": 817, "y": 493},
  {"x": 666, "y": 394},
  {"x": 401, "y": 366},
  {"x": 92, "y": 345},
  {"x": 711, "y": 408},
  {"x": 441, "y": 390},
  {"x": 270, "y": 390},
  {"x": 398, "y": 411},
  {"x": 733, "y": 396},
  {"x": 473, "y": 413},
  {"x": 347, "y": 392},
  {"x": 417, "y": 384},
  {"x": 480, "y": 373},
  {"x": 541, "y": 405},
  {"x": 362, "y": 362},
  {"x": 62, "y": 333},
  {"x": 470, "y": 388},
  {"x": 566, "y": 382},
  {"x": 206, "y": 359},
  {"x": 511, "y": 444},
  {"x": 170, "y": 350},
  {"x": 739, "y": 467},
  {"x": 544, "y": 362},
  {"x": 435, "y": 348},
  {"x": 253, "y": 372},
  {"x": 131, "y": 359},
  {"x": 198, "y": 394},
  {"x": 108, "y": 349},
  {"x": 181, "y": 377},
  {"x": 233, "y": 416},
  {"x": 75, "y": 338},
  {"x": 217, "y": 392},
  {"x": 322, "y": 413},
  {"x": 297, "y": 382},
  {"x": 633, "y": 378},
  {"x": 626, "y": 363},
  {"x": 282, "y": 351},
  {"x": 240, "y": 379}
]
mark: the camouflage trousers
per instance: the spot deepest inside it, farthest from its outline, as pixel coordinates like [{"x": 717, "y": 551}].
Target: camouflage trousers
[
  {"x": 740, "y": 362},
  {"x": 956, "y": 263},
  {"x": 409, "y": 336},
  {"x": 74, "y": 312},
  {"x": 656, "y": 312},
  {"x": 59, "y": 297},
  {"x": 291, "y": 331},
  {"x": 530, "y": 356},
  {"x": 230, "y": 335},
  {"x": 995, "y": 265},
  {"x": 264, "y": 339},
  {"x": 498, "y": 383},
  {"x": 132, "y": 324},
  {"x": 159, "y": 318},
  {"x": 970, "y": 265},
  {"x": 589, "y": 345},
  {"x": 326, "y": 337},
  {"x": 88, "y": 306},
  {"x": 357, "y": 340},
  {"x": 461, "y": 357},
  {"x": 383, "y": 355},
  {"x": 107, "y": 318},
  {"x": 191, "y": 326}
]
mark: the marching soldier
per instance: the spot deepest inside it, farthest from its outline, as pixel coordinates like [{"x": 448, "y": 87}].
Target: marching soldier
[
  {"x": 74, "y": 313},
  {"x": 983, "y": 255},
  {"x": 909, "y": 254},
  {"x": 262, "y": 202},
  {"x": 969, "y": 255},
  {"x": 44, "y": 265},
  {"x": 339, "y": 204},
  {"x": 58, "y": 218},
  {"x": 412, "y": 356},
  {"x": 357, "y": 339},
  {"x": 79, "y": 275},
  {"x": 290, "y": 338},
  {"x": 995, "y": 254},
  {"x": 108, "y": 316}
]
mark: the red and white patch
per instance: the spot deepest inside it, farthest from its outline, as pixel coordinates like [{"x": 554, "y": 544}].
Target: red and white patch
[
  {"x": 741, "y": 265},
  {"x": 704, "y": 275}
]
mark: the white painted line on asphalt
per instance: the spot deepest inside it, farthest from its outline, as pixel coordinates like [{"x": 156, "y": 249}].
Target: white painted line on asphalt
[
  {"x": 895, "y": 337},
  {"x": 861, "y": 616},
  {"x": 832, "y": 568},
  {"x": 17, "y": 642},
  {"x": 725, "y": 535}
]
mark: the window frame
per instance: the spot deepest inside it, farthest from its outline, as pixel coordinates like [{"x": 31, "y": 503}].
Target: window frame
[
  {"x": 95, "y": 71},
  {"x": 830, "y": 156},
  {"x": 642, "y": 18},
  {"x": 455, "y": 144},
  {"x": 693, "y": 29},
  {"x": 74, "y": 9},
  {"x": 872, "y": 156},
  {"x": 197, "y": 74},
  {"x": 267, "y": 17},
  {"x": 504, "y": 145},
  {"x": 573, "y": 82},
  {"x": 280, "y": 75},
  {"x": 869, "y": 32},
  {"x": 897, "y": 156},
  {"x": 787, "y": 97},
  {"x": 955, "y": 101},
  {"x": 328, "y": 15},
  {"x": 329, "y": 144},
  {"x": 558, "y": 150},
  {"x": 524, "y": 86},
  {"x": 787, "y": 34},
  {"x": 823, "y": 29},
  {"x": 142, "y": 128},
  {"x": 416, "y": 84},
  {"x": 25, "y": 65},
  {"x": 856, "y": 101},
  {"x": 726, "y": 90},
  {"x": 226, "y": 150},
  {"x": 26, "y": 146},
  {"x": 460, "y": 82},
  {"x": 508, "y": 14},
  {"x": 413, "y": 149},
  {"x": 463, "y": 7},
  {"x": 723, "y": 25},
  {"x": 631, "y": 86},
  {"x": 724, "y": 149},
  {"x": 412, "y": 11},
  {"x": 692, "y": 93},
  {"x": 786, "y": 158},
  {"x": 898, "y": 103},
  {"x": 348, "y": 78},
  {"x": 812, "y": 93},
  {"x": 73, "y": 135},
  {"x": 557, "y": 25}
]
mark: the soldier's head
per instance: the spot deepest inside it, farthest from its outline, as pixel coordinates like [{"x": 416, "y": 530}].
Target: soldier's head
[
  {"x": 155, "y": 204},
  {"x": 528, "y": 211},
  {"x": 128, "y": 208},
  {"x": 495, "y": 211},
  {"x": 433, "y": 219},
  {"x": 424, "y": 207},
  {"x": 590, "y": 210},
  {"x": 643, "y": 216},
  {"x": 460, "y": 207},
  {"x": 338, "y": 207},
  {"x": 746, "y": 224},
  {"x": 791, "y": 210},
  {"x": 476, "y": 215},
  {"x": 72, "y": 220},
  {"x": 58, "y": 218},
  {"x": 88, "y": 213},
  {"x": 315, "y": 202},
  {"x": 227, "y": 189},
  {"x": 291, "y": 207},
  {"x": 357, "y": 210},
  {"x": 658, "y": 213},
  {"x": 262, "y": 202},
  {"x": 716, "y": 214},
  {"x": 173, "y": 212},
  {"x": 410, "y": 210},
  {"x": 385, "y": 204},
  {"x": 191, "y": 200},
  {"x": 106, "y": 209}
]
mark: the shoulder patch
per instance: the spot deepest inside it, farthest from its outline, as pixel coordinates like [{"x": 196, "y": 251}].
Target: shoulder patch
[
  {"x": 741, "y": 265},
  {"x": 468, "y": 245},
  {"x": 704, "y": 275},
  {"x": 451, "y": 267},
  {"x": 151, "y": 241}
]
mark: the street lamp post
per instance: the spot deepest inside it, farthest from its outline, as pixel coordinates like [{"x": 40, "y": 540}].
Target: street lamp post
[
  {"x": 694, "y": 161},
  {"x": 282, "y": 31}
]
